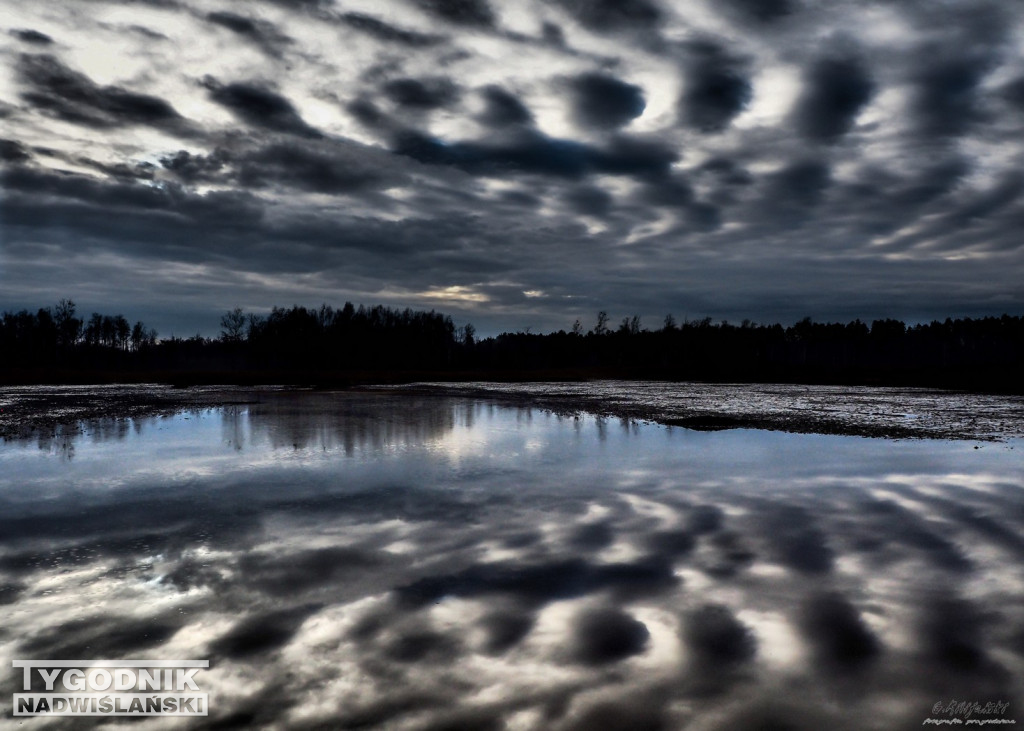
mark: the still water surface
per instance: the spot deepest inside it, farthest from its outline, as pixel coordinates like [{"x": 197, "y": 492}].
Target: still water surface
[{"x": 395, "y": 561}]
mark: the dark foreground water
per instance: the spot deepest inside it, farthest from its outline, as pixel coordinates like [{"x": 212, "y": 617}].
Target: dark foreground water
[{"x": 409, "y": 562}]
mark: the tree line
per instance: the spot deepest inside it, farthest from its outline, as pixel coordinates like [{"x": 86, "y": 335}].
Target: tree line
[
  {"x": 312, "y": 344},
  {"x": 980, "y": 353}
]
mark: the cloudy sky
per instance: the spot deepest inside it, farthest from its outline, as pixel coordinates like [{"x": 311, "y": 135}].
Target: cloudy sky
[{"x": 516, "y": 164}]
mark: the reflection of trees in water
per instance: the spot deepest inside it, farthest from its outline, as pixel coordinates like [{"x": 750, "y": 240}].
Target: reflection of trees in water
[
  {"x": 107, "y": 430},
  {"x": 59, "y": 440},
  {"x": 349, "y": 421}
]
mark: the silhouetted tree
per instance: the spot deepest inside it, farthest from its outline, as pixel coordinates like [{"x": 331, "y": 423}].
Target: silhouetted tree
[{"x": 232, "y": 325}]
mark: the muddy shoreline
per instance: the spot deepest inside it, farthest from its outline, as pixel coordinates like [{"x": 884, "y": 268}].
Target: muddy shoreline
[
  {"x": 30, "y": 412},
  {"x": 838, "y": 411}
]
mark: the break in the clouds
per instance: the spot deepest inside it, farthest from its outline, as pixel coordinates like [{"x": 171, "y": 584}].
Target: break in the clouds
[{"x": 515, "y": 164}]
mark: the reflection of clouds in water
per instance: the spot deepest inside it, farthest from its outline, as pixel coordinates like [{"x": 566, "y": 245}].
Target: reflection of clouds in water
[{"x": 634, "y": 582}]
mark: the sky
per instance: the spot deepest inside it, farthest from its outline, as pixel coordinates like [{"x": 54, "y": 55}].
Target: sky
[{"x": 517, "y": 165}]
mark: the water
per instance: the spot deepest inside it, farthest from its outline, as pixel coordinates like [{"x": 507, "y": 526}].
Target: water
[{"x": 411, "y": 562}]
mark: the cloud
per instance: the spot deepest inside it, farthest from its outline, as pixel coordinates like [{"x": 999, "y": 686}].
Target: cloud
[
  {"x": 259, "y": 106},
  {"x": 328, "y": 168},
  {"x": 801, "y": 183},
  {"x": 946, "y": 101},
  {"x": 589, "y": 200},
  {"x": 740, "y": 160},
  {"x": 13, "y": 151},
  {"x": 839, "y": 635},
  {"x": 34, "y": 37},
  {"x": 606, "y": 635},
  {"x": 614, "y": 15},
  {"x": 503, "y": 108},
  {"x": 602, "y": 101},
  {"x": 763, "y": 11},
  {"x": 382, "y": 31},
  {"x": 532, "y": 152},
  {"x": 836, "y": 88},
  {"x": 261, "y": 633},
  {"x": 716, "y": 88},
  {"x": 717, "y": 638},
  {"x": 262, "y": 33},
  {"x": 471, "y": 13},
  {"x": 426, "y": 93},
  {"x": 73, "y": 97}
]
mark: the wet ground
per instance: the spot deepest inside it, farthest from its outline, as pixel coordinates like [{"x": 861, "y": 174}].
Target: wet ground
[
  {"x": 894, "y": 413},
  {"x": 404, "y": 560}
]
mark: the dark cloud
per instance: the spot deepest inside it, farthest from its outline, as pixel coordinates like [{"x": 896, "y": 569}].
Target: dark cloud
[
  {"x": 953, "y": 633},
  {"x": 73, "y": 97},
  {"x": 505, "y": 629},
  {"x": 503, "y": 108},
  {"x": 9, "y": 592},
  {"x": 1013, "y": 92},
  {"x": 802, "y": 183},
  {"x": 797, "y": 542},
  {"x": 473, "y": 13},
  {"x": 671, "y": 542},
  {"x": 319, "y": 166},
  {"x": 546, "y": 582},
  {"x": 117, "y": 636},
  {"x": 716, "y": 637},
  {"x": 13, "y": 151},
  {"x": 31, "y": 36},
  {"x": 836, "y": 88},
  {"x": 260, "y": 107},
  {"x": 261, "y": 633},
  {"x": 426, "y": 93},
  {"x": 763, "y": 11},
  {"x": 607, "y": 635},
  {"x": 643, "y": 713},
  {"x": 614, "y": 15},
  {"x": 553, "y": 34},
  {"x": 194, "y": 168},
  {"x": 303, "y": 571},
  {"x": 422, "y": 645},
  {"x": 704, "y": 519},
  {"x": 386, "y": 32},
  {"x": 262, "y": 33},
  {"x": 837, "y": 632},
  {"x": 329, "y": 168},
  {"x": 367, "y": 113},
  {"x": 532, "y": 152},
  {"x": 946, "y": 101},
  {"x": 589, "y": 201},
  {"x": 602, "y": 101},
  {"x": 728, "y": 555},
  {"x": 674, "y": 193},
  {"x": 716, "y": 88},
  {"x": 592, "y": 536}
]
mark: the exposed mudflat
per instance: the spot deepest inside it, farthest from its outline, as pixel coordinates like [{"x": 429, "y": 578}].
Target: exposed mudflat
[
  {"x": 28, "y": 411},
  {"x": 892, "y": 413}
]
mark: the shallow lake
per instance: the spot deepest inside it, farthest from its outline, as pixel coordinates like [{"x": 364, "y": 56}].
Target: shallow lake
[{"x": 410, "y": 562}]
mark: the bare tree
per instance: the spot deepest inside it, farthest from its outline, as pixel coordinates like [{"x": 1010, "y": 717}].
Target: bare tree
[
  {"x": 232, "y": 325},
  {"x": 69, "y": 327}
]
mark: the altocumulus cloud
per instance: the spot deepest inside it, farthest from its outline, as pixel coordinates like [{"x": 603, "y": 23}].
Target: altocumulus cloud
[{"x": 515, "y": 163}]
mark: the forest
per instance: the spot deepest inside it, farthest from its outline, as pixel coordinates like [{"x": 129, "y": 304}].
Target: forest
[{"x": 358, "y": 344}]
